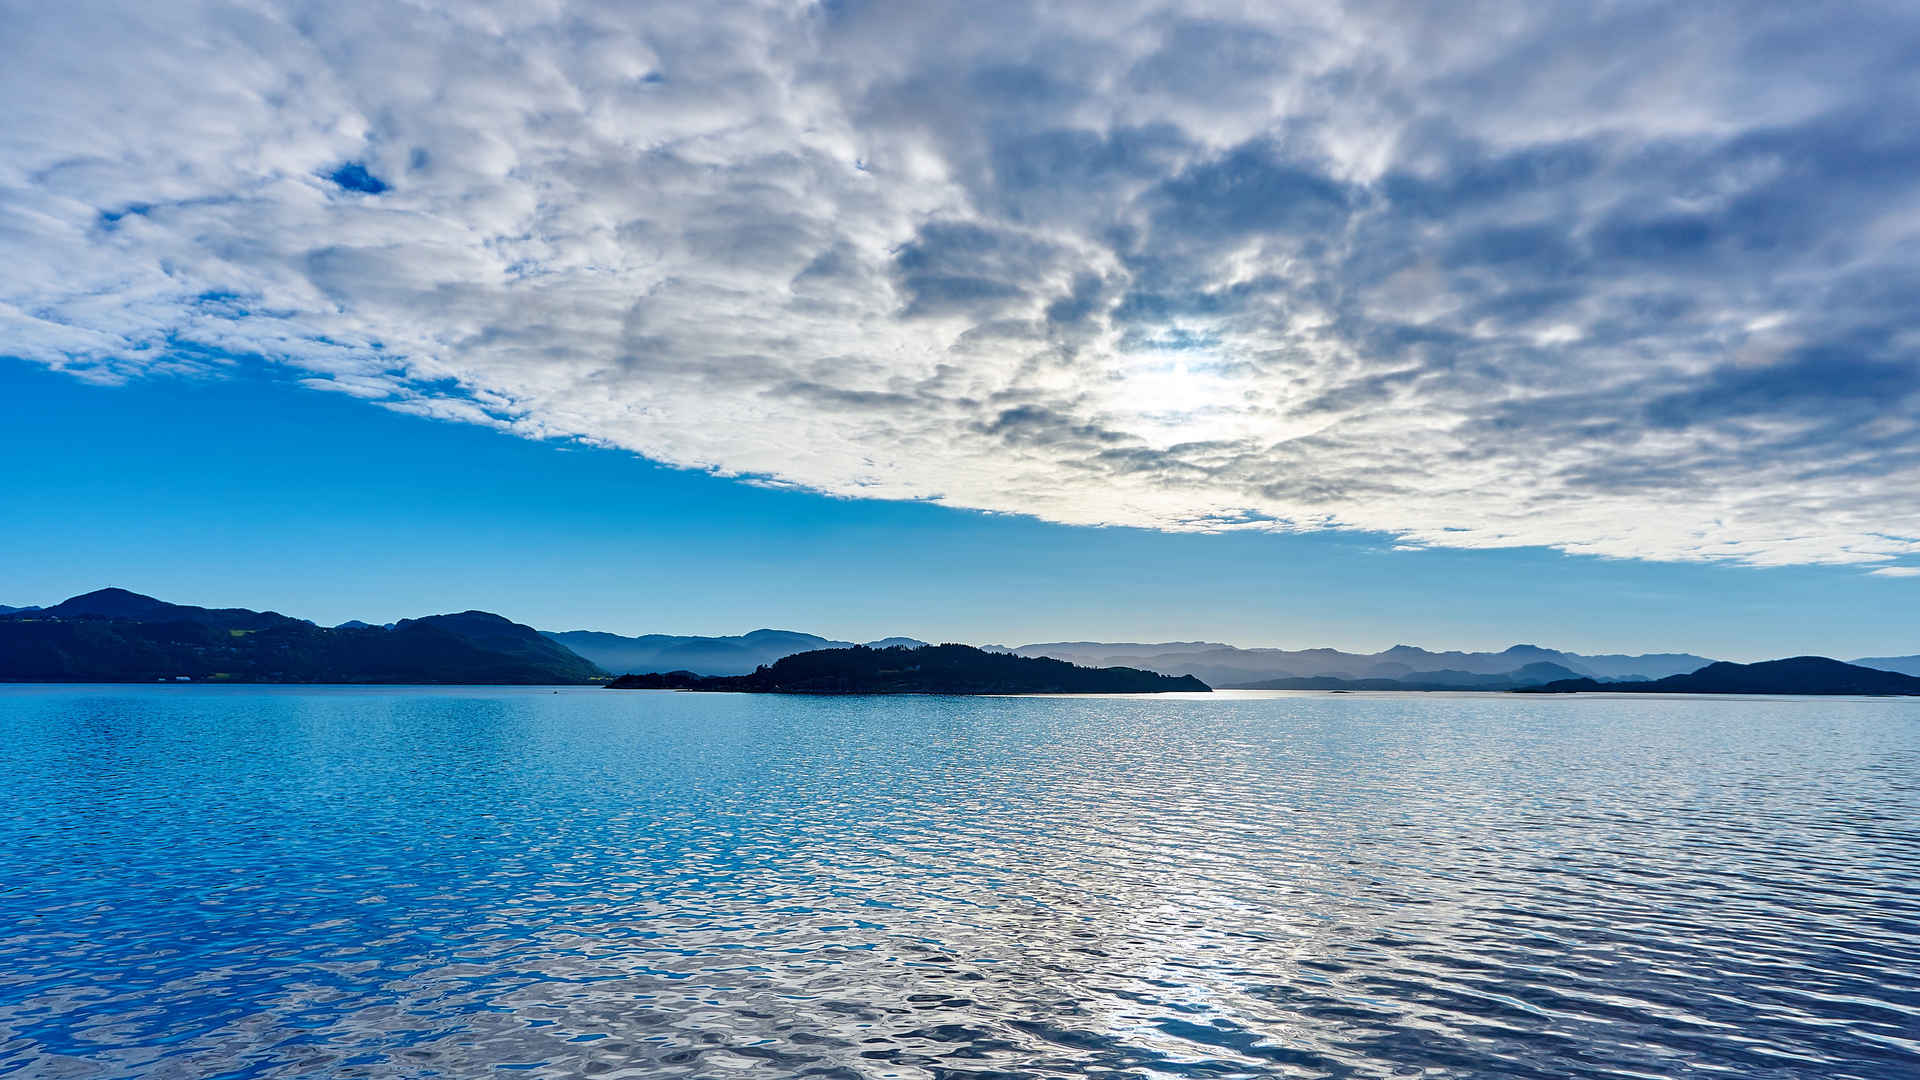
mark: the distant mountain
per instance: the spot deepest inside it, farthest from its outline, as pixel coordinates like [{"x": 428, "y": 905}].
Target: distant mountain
[
  {"x": 1133, "y": 649},
  {"x": 5, "y": 610},
  {"x": 499, "y": 637},
  {"x": 1796, "y": 675},
  {"x": 1534, "y": 674},
  {"x": 1225, "y": 665},
  {"x": 1215, "y": 663},
  {"x": 705, "y": 655},
  {"x": 118, "y": 636},
  {"x": 928, "y": 669},
  {"x": 114, "y": 634},
  {"x": 1905, "y": 665},
  {"x": 1644, "y": 666}
]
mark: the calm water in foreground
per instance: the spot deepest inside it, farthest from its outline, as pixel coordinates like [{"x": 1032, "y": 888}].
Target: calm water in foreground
[{"x": 203, "y": 882}]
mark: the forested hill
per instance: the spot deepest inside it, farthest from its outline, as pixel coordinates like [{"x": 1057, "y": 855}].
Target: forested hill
[
  {"x": 1795, "y": 675},
  {"x": 929, "y": 669},
  {"x": 113, "y": 635}
]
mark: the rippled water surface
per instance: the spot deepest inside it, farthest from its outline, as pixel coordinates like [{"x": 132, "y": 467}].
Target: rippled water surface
[{"x": 231, "y": 881}]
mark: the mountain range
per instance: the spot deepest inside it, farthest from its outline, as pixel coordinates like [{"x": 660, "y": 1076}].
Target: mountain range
[
  {"x": 1226, "y": 666},
  {"x": 117, "y": 635},
  {"x": 703, "y": 655},
  {"x": 1215, "y": 663},
  {"x": 113, "y": 635},
  {"x": 1905, "y": 665},
  {"x": 1538, "y": 673}
]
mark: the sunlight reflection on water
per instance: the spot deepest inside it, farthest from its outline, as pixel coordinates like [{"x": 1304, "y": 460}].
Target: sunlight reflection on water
[{"x": 295, "y": 882}]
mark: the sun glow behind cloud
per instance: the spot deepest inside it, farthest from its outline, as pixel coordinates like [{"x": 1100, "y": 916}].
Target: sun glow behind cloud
[
  {"x": 1638, "y": 282},
  {"x": 1171, "y": 401}
]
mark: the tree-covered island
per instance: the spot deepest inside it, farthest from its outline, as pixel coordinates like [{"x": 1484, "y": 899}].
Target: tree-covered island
[{"x": 929, "y": 669}]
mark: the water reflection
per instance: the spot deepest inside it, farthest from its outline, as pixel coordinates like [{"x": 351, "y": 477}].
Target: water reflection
[{"x": 441, "y": 883}]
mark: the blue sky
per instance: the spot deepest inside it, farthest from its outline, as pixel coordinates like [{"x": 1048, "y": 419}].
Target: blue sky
[
  {"x": 1288, "y": 322},
  {"x": 251, "y": 491}
]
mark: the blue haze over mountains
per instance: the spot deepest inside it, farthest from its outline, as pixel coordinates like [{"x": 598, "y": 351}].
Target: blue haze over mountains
[
  {"x": 1905, "y": 665},
  {"x": 1224, "y": 665},
  {"x": 1215, "y": 663},
  {"x": 733, "y": 655},
  {"x": 484, "y": 647}
]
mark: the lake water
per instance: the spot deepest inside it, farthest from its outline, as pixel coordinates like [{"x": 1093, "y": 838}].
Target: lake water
[{"x": 252, "y": 882}]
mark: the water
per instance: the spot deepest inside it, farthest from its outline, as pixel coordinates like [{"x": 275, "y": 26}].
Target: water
[{"x": 253, "y": 882}]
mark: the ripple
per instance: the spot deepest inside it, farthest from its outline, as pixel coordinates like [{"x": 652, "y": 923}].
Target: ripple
[{"x": 256, "y": 882}]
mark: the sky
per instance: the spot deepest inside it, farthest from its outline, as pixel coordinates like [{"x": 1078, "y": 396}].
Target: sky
[{"x": 1335, "y": 324}]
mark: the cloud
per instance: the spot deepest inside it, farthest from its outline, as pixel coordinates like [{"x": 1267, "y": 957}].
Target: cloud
[
  {"x": 1896, "y": 571},
  {"x": 1637, "y": 280}
]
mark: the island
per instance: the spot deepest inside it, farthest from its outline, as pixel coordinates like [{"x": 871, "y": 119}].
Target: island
[
  {"x": 928, "y": 669},
  {"x": 1817, "y": 675}
]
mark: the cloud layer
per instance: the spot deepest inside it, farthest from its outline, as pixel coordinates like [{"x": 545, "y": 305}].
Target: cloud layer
[{"x": 1636, "y": 280}]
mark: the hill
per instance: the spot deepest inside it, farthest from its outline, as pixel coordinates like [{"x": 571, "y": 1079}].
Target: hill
[
  {"x": 1795, "y": 675},
  {"x": 114, "y": 635},
  {"x": 1225, "y": 665},
  {"x": 928, "y": 669},
  {"x": 120, "y": 604}
]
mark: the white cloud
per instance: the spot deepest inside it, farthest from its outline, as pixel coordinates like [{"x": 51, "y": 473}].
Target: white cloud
[
  {"x": 1638, "y": 283},
  {"x": 1896, "y": 571}
]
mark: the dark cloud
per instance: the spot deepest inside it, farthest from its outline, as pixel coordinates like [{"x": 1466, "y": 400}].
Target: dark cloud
[
  {"x": 962, "y": 268},
  {"x": 1043, "y": 428},
  {"x": 1251, "y": 189},
  {"x": 1540, "y": 251},
  {"x": 1200, "y": 60},
  {"x": 1830, "y": 384},
  {"x": 1081, "y": 303}
]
